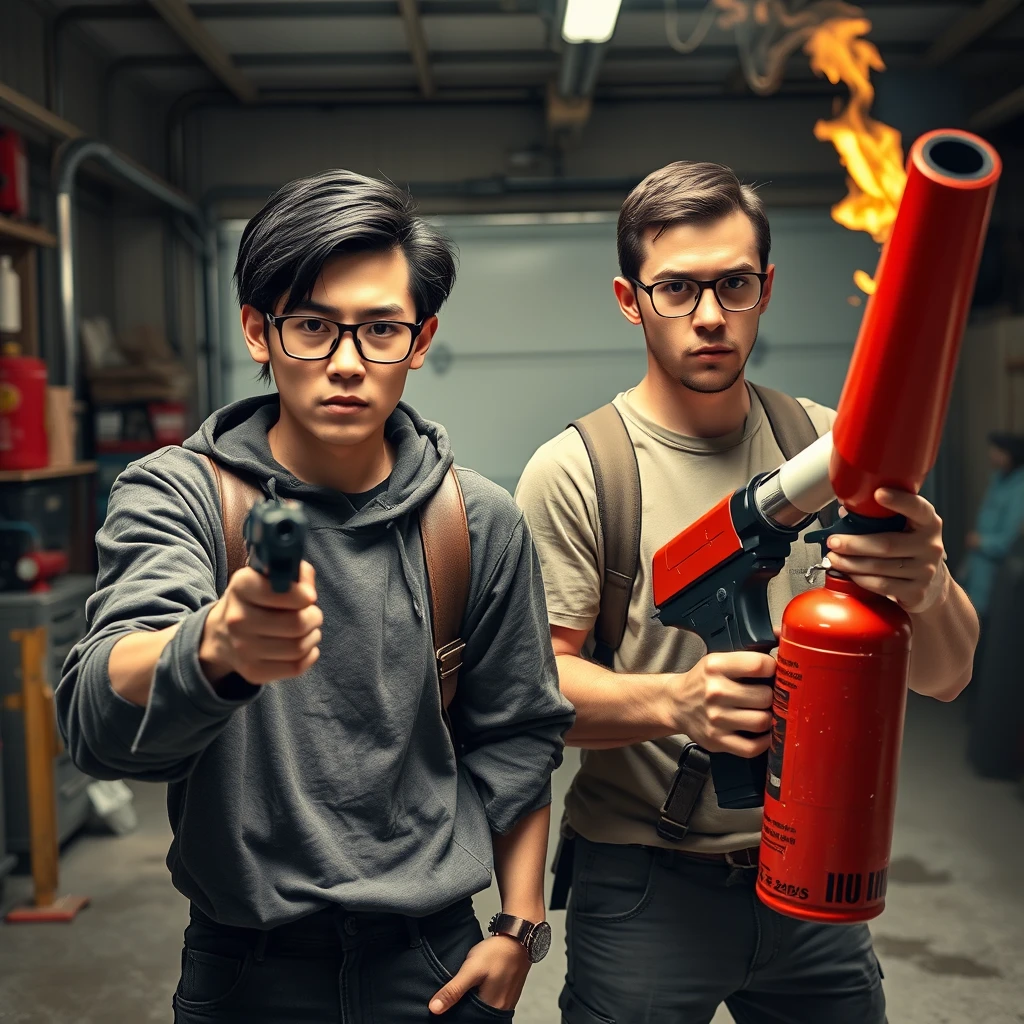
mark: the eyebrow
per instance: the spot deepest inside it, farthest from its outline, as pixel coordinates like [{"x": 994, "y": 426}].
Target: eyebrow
[
  {"x": 311, "y": 306},
  {"x": 674, "y": 275}
]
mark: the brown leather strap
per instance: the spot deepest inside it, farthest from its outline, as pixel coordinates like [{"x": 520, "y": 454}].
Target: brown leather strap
[
  {"x": 237, "y": 496},
  {"x": 445, "y": 533},
  {"x": 617, "y": 482}
]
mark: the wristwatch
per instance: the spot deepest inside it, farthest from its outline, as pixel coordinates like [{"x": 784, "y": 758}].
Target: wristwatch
[{"x": 534, "y": 938}]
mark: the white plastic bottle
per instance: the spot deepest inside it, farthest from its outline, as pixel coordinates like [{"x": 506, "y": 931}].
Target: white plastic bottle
[{"x": 10, "y": 301}]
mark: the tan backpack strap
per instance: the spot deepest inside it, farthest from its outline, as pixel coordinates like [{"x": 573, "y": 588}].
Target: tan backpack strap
[
  {"x": 445, "y": 533},
  {"x": 238, "y": 494},
  {"x": 617, "y": 481},
  {"x": 794, "y": 431},
  {"x": 789, "y": 420}
]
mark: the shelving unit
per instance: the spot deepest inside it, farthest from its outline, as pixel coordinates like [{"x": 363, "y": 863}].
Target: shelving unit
[
  {"x": 31, "y": 234},
  {"x": 26, "y": 476},
  {"x": 80, "y": 492}
]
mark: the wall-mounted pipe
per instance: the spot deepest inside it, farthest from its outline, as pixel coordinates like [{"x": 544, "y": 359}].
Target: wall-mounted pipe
[{"x": 67, "y": 162}]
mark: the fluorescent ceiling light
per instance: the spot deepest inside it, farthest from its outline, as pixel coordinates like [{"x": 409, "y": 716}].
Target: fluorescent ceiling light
[{"x": 590, "y": 21}]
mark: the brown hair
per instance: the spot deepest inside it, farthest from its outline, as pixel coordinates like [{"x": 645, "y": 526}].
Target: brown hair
[{"x": 685, "y": 192}]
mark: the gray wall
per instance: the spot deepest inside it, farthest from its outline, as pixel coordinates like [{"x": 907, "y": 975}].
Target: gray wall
[
  {"x": 532, "y": 338},
  {"x": 472, "y": 143}
]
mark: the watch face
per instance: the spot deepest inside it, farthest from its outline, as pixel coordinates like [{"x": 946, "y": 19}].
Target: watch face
[{"x": 539, "y": 942}]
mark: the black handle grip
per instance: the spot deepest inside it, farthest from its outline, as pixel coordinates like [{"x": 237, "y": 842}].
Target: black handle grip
[{"x": 739, "y": 781}]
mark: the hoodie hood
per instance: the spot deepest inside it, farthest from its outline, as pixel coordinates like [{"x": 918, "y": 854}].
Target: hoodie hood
[{"x": 237, "y": 437}]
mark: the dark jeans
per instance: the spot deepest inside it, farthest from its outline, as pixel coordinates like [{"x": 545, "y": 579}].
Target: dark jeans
[
  {"x": 655, "y": 938},
  {"x": 336, "y": 967}
]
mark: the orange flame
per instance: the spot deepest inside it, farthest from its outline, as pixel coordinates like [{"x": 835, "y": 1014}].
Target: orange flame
[
  {"x": 767, "y": 33},
  {"x": 870, "y": 151}
]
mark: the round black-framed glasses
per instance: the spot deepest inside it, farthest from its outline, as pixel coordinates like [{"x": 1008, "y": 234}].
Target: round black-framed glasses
[
  {"x": 680, "y": 296},
  {"x": 311, "y": 338}
]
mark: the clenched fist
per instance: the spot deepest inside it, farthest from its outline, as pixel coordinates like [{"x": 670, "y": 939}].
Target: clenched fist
[{"x": 261, "y": 635}]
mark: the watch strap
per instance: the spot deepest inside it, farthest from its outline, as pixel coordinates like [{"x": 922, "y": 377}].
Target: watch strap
[{"x": 517, "y": 928}]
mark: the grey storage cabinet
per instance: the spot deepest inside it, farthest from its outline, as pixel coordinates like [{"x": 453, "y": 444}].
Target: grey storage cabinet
[{"x": 62, "y": 611}]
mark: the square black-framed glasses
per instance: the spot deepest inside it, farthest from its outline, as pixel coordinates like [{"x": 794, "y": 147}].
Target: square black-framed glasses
[
  {"x": 701, "y": 286},
  {"x": 278, "y": 321}
]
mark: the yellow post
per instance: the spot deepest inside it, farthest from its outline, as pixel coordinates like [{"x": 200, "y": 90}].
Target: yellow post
[{"x": 42, "y": 744}]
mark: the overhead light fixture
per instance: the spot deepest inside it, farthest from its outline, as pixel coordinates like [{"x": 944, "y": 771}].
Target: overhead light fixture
[{"x": 590, "y": 21}]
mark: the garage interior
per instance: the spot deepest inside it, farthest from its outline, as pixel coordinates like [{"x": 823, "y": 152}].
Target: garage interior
[{"x": 137, "y": 137}]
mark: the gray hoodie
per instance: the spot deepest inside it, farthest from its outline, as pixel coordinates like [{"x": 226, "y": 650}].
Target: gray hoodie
[{"x": 339, "y": 787}]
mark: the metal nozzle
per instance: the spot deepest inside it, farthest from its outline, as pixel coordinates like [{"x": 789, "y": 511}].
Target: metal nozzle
[{"x": 799, "y": 489}]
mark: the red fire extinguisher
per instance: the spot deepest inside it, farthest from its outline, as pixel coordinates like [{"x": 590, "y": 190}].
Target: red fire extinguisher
[
  {"x": 837, "y": 725},
  {"x": 23, "y": 440},
  {"x": 844, "y": 653},
  {"x": 13, "y": 174}
]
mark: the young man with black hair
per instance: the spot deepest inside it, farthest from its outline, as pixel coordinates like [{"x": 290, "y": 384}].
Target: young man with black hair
[
  {"x": 326, "y": 833},
  {"x": 661, "y": 931}
]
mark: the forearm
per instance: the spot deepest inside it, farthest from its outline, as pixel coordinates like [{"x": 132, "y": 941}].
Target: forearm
[
  {"x": 133, "y": 661},
  {"x": 613, "y": 709},
  {"x": 945, "y": 637},
  {"x": 519, "y": 862}
]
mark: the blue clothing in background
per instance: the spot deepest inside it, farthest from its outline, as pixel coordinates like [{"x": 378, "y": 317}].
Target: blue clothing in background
[{"x": 999, "y": 523}]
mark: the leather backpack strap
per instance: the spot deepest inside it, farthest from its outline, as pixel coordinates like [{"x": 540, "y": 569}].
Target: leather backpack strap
[
  {"x": 444, "y": 530},
  {"x": 617, "y": 482},
  {"x": 238, "y": 494},
  {"x": 794, "y": 431}
]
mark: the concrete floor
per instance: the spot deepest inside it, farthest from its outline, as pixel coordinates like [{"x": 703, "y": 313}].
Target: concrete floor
[{"x": 950, "y": 940}]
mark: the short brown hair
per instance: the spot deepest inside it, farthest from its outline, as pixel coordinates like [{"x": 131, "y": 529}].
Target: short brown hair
[{"x": 685, "y": 192}]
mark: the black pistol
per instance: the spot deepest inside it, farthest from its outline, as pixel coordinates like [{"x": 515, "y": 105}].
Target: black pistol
[{"x": 275, "y": 536}]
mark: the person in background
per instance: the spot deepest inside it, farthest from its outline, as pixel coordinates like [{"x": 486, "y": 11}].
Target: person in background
[{"x": 999, "y": 521}]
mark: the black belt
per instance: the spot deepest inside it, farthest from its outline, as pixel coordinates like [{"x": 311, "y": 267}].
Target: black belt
[{"x": 745, "y": 858}]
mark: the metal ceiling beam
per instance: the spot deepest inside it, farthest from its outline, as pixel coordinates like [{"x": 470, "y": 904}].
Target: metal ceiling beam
[
  {"x": 205, "y": 9},
  {"x": 998, "y": 113},
  {"x": 36, "y": 117},
  {"x": 355, "y": 8},
  {"x": 376, "y": 8},
  {"x": 578, "y": 70},
  {"x": 971, "y": 25},
  {"x": 198, "y": 38},
  {"x": 417, "y": 43}
]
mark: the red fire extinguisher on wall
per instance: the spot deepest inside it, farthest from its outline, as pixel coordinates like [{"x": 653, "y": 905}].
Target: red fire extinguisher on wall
[{"x": 23, "y": 440}]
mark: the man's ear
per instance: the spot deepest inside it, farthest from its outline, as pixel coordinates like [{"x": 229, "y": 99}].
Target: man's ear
[
  {"x": 628, "y": 299},
  {"x": 422, "y": 343},
  {"x": 254, "y": 325},
  {"x": 766, "y": 292}
]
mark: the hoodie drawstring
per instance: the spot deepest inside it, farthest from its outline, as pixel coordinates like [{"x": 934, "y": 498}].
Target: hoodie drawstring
[{"x": 407, "y": 572}]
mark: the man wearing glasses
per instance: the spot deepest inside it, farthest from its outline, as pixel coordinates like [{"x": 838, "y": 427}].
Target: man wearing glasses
[
  {"x": 661, "y": 931},
  {"x": 325, "y": 832}
]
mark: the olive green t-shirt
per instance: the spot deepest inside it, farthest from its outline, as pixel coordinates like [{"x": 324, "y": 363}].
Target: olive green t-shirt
[{"x": 617, "y": 794}]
